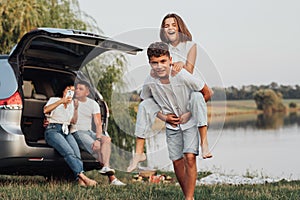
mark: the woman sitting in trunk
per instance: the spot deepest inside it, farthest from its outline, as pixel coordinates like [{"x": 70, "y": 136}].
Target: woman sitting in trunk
[{"x": 62, "y": 111}]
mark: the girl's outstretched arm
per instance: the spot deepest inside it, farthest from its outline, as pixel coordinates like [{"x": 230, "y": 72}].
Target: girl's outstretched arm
[{"x": 191, "y": 59}]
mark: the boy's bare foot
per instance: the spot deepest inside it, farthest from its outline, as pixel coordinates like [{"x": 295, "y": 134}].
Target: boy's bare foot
[{"x": 138, "y": 157}]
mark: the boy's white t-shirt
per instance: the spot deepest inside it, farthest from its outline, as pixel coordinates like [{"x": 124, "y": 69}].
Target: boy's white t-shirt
[
  {"x": 173, "y": 97},
  {"x": 86, "y": 110}
]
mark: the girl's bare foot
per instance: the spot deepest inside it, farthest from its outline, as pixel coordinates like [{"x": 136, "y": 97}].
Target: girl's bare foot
[
  {"x": 205, "y": 151},
  {"x": 138, "y": 157}
]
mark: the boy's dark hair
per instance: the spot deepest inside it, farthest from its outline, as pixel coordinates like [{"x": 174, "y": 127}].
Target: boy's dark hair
[
  {"x": 85, "y": 83},
  {"x": 158, "y": 49}
]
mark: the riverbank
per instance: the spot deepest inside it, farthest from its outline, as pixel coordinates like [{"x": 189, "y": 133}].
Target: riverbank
[{"x": 242, "y": 107}]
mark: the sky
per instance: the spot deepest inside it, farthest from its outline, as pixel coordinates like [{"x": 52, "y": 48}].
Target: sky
[{"x": 246, "y": 41}]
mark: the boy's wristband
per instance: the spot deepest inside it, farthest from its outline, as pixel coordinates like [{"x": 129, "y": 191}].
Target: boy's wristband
[{"x": 99, "y": 139}]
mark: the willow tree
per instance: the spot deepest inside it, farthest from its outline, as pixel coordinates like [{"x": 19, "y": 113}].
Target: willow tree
[{"x": 19, "y": 17}]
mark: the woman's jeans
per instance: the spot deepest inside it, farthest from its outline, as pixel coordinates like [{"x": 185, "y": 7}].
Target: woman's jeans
[{"x": 66, "y": 145}]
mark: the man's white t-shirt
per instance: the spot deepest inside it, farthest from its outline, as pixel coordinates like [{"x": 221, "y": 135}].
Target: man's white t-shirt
[{"x": 86, "y": 110}]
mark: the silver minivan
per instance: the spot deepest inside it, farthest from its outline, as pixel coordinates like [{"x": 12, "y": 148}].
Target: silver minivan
[{"x": 42, "y": 61}]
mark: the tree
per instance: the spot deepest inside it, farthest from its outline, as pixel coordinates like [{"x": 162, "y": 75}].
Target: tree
[
  {"x": 268, "y": 101},
  {"x": 19, "y": 17},
  {"x": 292, "y": 105}
]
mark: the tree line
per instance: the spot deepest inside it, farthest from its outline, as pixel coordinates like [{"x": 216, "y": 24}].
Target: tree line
[{"x": 247, "y": 92}]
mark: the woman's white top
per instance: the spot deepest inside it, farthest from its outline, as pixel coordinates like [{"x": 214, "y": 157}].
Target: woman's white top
[{"x": 60, "y": 114}]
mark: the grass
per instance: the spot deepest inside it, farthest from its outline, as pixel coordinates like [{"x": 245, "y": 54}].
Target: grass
[{"x": 24, "y": 187}]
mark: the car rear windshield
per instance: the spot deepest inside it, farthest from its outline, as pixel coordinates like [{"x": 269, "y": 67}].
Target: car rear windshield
[{"x": 8, "y": 81}]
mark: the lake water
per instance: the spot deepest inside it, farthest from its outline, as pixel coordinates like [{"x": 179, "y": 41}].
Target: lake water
[{"x": 257, "y": 145}]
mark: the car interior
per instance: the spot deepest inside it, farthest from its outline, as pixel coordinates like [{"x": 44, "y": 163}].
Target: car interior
[{"x": 38, "y": 86}]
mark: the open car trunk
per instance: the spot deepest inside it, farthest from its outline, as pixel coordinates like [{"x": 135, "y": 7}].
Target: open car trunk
[
  {"x": 44, "y": 60},
  {"x": 39, "y": 85}
]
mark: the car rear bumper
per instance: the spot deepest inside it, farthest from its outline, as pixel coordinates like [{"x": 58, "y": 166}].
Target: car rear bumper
[{"x": 18, "y": 158}]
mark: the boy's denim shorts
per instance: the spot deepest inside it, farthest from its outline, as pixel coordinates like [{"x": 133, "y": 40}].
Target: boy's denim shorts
[{"x": 182, "y": 141}]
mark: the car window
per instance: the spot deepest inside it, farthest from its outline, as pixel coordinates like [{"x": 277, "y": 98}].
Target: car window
[{"x": 8, "y": 81}]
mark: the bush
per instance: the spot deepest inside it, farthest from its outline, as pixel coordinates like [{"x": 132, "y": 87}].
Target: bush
[
  {"x": 293, "y": 105},
  {"x": 268, "y": 100}
]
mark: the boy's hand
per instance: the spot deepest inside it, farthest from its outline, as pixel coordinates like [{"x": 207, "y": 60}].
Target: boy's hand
[
  {"x": 184, "y": 118},
  {"x": 173, "y": 120},
  {"x": 96, "y": 146}
]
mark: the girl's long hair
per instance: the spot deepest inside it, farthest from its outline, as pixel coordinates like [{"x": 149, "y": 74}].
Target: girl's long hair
[{"x": 184, "y": 33}]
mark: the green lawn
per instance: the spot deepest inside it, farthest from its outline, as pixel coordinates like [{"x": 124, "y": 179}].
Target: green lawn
[{"x": 24, "y": 187}]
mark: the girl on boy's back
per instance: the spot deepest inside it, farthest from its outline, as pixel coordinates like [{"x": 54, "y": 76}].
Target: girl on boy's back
[{"x": 183, "y": 51}]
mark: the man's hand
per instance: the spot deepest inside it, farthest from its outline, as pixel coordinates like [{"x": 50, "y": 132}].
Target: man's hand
[
  {"x": 96, "y": 145},
  {"x": 75, "y": 104}
]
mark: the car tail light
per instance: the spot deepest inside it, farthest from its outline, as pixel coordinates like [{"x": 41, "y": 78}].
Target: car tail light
[{"x": 12, "y": 102}]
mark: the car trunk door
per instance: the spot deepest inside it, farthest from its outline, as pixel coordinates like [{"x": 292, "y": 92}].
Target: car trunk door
[{"x": 62, "y": 49}]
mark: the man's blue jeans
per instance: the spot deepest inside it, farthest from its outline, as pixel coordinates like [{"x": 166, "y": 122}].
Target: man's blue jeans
[{"x": 66, "y": 145}]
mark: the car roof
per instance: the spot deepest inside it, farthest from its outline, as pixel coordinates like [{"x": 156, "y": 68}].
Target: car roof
[{"x": 63, "y": 48}]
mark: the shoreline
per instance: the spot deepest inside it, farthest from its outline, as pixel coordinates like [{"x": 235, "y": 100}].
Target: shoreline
[{"x": 241, "y": 107}]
